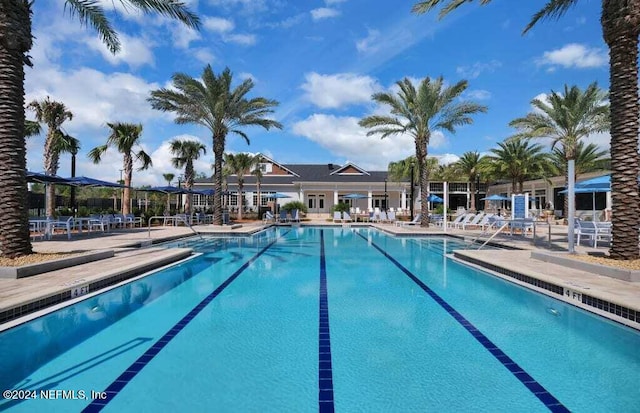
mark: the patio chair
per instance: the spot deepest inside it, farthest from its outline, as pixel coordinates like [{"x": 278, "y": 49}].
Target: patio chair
[
  {"x": 346, "y": 217},
  {"x": 415, "y": 221},
  {"x": 132, "y": 220},
  {"x": 593, "y": 231},
  {"x": 437, "y": 219},
  {"x": 295, "y": 215},
  {"x": 337, "y": 216},
  {"x": 456, "y": 221},
  {"x": 282, "y": 218},
  {"x": 474, "y": 221},
  {"x": 64, "y": 223},
  {"x": 391, "y": 217},
  {"x": 268, "y": 217},
  {"x": 465, "y": 219},
  {"x": 382, "y": 217}
]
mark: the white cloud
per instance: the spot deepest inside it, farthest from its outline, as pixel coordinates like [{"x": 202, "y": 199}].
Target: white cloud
[
  {"x": 246, "y": 6},
  {"x": 242, "y": 39},
  {"x": 477, "y": 94},
  {"x": 345, "y": 138},
  {"x": 334, "y": 91},
  {"x": 476, "y": 69},
  {"x": 183, "y": 35},
  {"x": 218, "y": 24},
  {"x": 369, "y": 43},
  {"x": 93, "y": 96},
  {"x": 134, "y": 51},
  {"x": 574, "y": 55},
  {"x": 324, "y": 13},
  {"x": 447, "y": 158},
  {"x": 246, "y": 75},
  {"x": 204, "y": 55}
]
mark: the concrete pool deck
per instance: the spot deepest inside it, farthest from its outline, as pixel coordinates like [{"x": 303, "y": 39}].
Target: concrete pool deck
[{"x": 19, "y": 297}]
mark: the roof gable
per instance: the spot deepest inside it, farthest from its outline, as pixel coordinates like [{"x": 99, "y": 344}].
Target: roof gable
[{"x": 350, "y": 169}]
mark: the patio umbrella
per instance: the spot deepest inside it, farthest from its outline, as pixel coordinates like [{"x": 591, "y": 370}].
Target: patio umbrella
[
  {"x": 46, "y": 179},
  {"x": 435, "y": 199},
  {"x": 276, "y": 195},
  {"x": 602, "y": 183},
  {"x": 496, "y": 197},
  {"x": 355, "y": 196},
  {"x": 92, "y": 182},
  {"x": 592, "y": 191}
]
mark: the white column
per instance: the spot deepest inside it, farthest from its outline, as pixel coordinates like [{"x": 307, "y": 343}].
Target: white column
[
  {"x": 572, "y": 204},
  {"x": 370, "y": 200},
  {"x": 445, "y": 205},
  {"x": 335, "y": 197},
  {"x": 403, "y": 199}
]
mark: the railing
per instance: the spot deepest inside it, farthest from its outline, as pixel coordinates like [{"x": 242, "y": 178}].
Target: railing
[{"x": 176, "y": 220}]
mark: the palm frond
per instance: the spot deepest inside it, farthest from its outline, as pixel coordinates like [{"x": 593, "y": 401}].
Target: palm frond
[
  {"x": 553, "y": 9},
  {"x": 90, "y": 13}
]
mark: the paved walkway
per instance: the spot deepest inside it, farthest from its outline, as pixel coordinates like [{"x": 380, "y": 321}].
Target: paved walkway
[{"x": 127, "y": 243}]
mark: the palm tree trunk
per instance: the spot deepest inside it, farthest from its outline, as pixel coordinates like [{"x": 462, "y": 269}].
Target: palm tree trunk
[
  {"x": 126, "y": 193},
  {"x": 620, "y": 26},
  {"x": 240, "y": 198},
  {"x": 472, "y": 189},
  {"x": 218, "y": 152},
  {"x": 15, "y": 42},
  {"x": 421, "y": 157}
]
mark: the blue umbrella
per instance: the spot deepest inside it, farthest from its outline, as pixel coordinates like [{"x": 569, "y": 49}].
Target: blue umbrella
[
  {"x": 496, "y": 198},
  {"x": 166, "y": 189},
  {"x": 276, "y": 195},
  {"x": 603, "y": 183},
  {"x": 85, "y": 181},
  {"x": 207, "y": 192},
  {"x": 435, "y": 199},
  {"x": 355, "y": 196},
  {"x": 46, "y": 179}
]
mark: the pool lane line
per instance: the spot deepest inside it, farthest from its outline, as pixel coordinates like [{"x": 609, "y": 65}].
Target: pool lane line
[
  {"x": 549, "y": 400},
  {"x": 119, "y": 383},
  {"x": 325, "y": 372}
]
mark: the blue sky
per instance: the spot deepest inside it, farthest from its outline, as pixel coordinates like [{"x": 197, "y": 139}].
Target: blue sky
[{"x": 321, "y": 59}]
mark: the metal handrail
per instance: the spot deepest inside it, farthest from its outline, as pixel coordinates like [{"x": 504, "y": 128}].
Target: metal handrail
[
  {"x": 176, "y": 219},
  {"x": 494, "y": 234}
]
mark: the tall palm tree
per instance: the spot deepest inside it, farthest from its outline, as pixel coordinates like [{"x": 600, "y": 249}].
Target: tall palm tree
[
  {"x": 16, "y": 41},
  {"x": 518, "y": 160},
  {"x": 257, "y": 172},
  {"x": 469, "y": 165},
  {"x": 124, "y": 137},
  {"x": 419, "y": 113},
  {"x": 211, "y": 102},
  {"x": 566, "y": 118},
  {"x": 66, "y": 143},
  {"x": 53, "y": 114},
  {"x": 168, "y": 177},
  {"x": 185, "y": 152},
  {"x": 620, "y": 20},
  {"x": 240, "y": 165}
]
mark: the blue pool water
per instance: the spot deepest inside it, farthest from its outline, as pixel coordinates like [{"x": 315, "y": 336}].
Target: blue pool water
[{"x": 311, "y": 319}]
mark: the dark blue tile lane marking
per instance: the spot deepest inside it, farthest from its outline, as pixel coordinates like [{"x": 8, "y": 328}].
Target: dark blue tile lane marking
[
  {"x": 325, "y": 372},
  {"x": 118, "y": 384},
  {"x": 529, "y": 382}
]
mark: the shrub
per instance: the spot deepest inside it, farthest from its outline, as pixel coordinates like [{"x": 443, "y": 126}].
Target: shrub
[
  {"x": 290, "y": 206},
  {"x": 340, "y": 207},
  {"x": 440, "y": 209}
]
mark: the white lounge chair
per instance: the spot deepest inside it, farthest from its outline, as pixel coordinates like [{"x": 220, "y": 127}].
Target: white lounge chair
[
  {"x": 391, "y": 216},
  {"x": 456, "y": 221},
  {"x": 473, "y": 222},
  {"x": 346, "y": 217},
  {"x": 268, "y": 217},
  {"x": 295, "y": 215},
  {"x": 337, "y": 216},
  {"x": 415, "y": 221},
  {"x": 465, "y": 219}
]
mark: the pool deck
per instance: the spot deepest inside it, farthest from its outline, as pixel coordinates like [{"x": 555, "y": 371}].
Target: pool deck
[{"x": 134, "y": 254}]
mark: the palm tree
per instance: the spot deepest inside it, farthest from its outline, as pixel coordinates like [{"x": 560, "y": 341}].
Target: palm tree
[
  {"x": 620, "y": 22},
  {"x": 433, "y": 106},
  {"x": 185, "y": 152},
  {"x": 518, "y": 160},
  {"x": 566, "y": 119},
  {"x": 16, "y": 41},
  {"x": 31, "y": 128},
  {"x": 66, "y": 143},
  {"x": 257, "y": 172},
  {"x": 469, "y": 165},
  {"x": 53, "y": 114},
  {"x": 212, "y": 103},
  {"x": 168, "y": 177},
  {"x": 124, "y": 136},
  {"x": 240, "y": 164}
]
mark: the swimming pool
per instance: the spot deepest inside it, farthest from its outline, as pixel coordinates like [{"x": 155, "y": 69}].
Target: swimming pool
[{"x": 308, "y": 319}]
